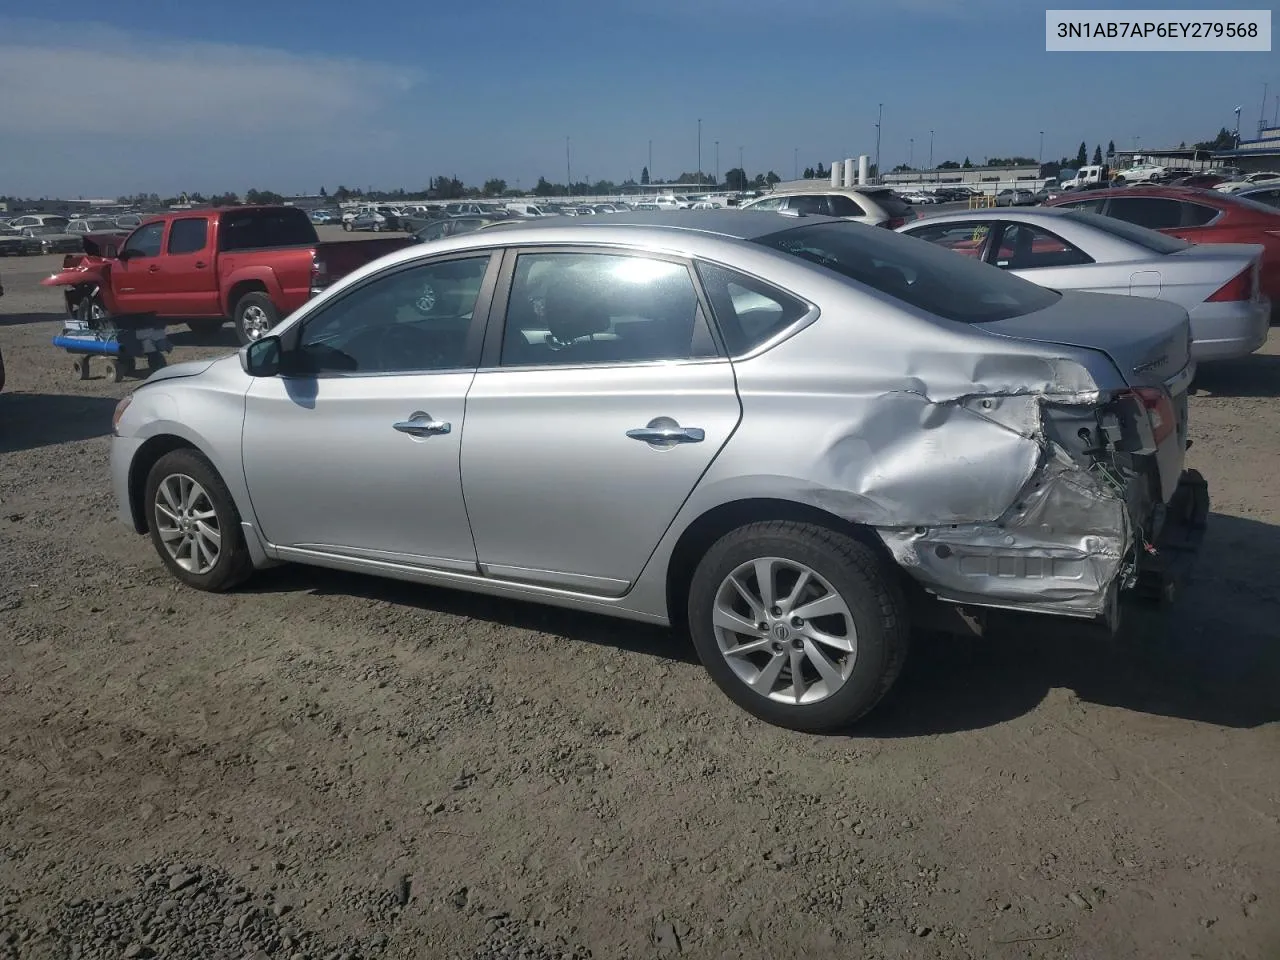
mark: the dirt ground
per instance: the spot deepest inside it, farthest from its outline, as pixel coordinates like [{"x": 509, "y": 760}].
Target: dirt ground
[{"x": 323, "y": 765}]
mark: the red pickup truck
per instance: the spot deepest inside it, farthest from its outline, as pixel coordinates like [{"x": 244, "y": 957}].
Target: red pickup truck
[{"x": 252, "y": 265}]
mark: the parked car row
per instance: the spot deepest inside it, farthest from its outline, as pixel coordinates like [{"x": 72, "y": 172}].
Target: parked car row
[{"x": 41, "y": 233}]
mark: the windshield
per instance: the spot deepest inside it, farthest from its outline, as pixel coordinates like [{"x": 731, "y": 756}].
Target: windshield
[
  {"x": 1148, "y": 239},
  {"x": 925, "y": 276},
  {"x": 100, "y": 224}
]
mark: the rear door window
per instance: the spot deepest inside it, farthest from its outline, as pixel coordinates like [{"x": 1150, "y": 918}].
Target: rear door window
[
  {"x": 967, "y": 237},
  {"x": 1024, "y": 247},
  {"x": 1154, "y": 213},
  {"x": 254, "y": 229},
  {"x": 1197, "y": 214},
  {"x": 815, "y": 205},
  {"x": 188, "y": 235},
  {"x": 1093, "y": 206},
  {"x": 842, "y": 206}
]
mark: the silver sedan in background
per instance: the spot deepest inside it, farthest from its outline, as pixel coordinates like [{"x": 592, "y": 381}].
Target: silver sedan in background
[
  {"x": 1075, "y": 250},
  {"x": 793, "y": 437}
]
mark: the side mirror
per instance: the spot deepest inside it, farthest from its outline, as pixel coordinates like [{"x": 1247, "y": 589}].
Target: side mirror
[{"x": 262, "y": 357}]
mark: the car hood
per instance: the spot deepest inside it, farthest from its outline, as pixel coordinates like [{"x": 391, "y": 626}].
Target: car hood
[
  {"x": 1148, "y": 340},
  {"x": 175, "y": 371}
]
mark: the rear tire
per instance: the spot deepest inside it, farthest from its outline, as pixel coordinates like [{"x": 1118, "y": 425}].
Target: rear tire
[
  {"x": 254, "y": 315},
  {"x": 864, "y": 636},
  {"x": 194, "y": 523}
]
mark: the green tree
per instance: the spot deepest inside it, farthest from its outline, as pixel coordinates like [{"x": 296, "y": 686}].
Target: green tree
[
  {"x": 735, "y": 179},
  {"x": 545, "y": 188},
  {"x": 1082, "y": 155},
  {"x": 808, "y": 173},
  {"x": 771, "y": 178},
  {"x": 1225, "y": 140},
  {"x": 948, "y": 165},
  {"x": 1097, "y": 155},
  {"x": 324, "y": 193},
  {"x": 966, "y": 165},
  {"x": 644, "y": 176},
  {"x": 495, "y": 187},
  {"x": 1111, "y": 148},
  {"x": 821, "y": 172}
]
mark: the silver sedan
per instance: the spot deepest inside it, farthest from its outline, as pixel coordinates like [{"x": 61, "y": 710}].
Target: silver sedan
[
  {"x": 793, "y": 437},
  {"x": 1075, "y": 250}
]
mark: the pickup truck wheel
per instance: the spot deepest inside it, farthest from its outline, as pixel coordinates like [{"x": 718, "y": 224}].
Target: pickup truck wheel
[
  {"x": 205, "y": 328},
  {"x": 798, "y": 624},
  {"x": 254, "y": 315},
  {"x": 346, "y": 225},
  {"x": 194, "y": 523}
]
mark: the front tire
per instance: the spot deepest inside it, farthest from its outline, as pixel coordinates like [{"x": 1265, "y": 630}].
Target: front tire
[
  {"x": 799, "y": 625},
  {"x": 194, "y": 523},
  {"x": 254, "y": 315}
]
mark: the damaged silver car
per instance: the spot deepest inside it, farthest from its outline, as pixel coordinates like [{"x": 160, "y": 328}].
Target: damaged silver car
[{"x": 794, "y": 437}]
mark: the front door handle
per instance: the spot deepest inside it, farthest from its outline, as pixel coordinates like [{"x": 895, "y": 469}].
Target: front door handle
[
  {"x": 154, "y": 268},
  {"x": 200, "y": 264},
  {"x": 421, "y": 425},
  {"x": 668, "y": 434}
]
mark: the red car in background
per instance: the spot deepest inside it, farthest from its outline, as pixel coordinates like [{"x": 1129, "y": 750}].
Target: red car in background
[{"x": 1195, "y": 215}]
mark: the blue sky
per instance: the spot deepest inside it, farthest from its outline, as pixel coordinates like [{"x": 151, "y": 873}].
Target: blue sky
[{"x": 128, "y": 96}]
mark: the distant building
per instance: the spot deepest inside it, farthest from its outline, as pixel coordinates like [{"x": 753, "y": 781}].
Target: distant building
[{"x": 1253, "y": 156}]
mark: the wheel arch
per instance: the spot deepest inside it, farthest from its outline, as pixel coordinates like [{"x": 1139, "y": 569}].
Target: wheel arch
[
  {"x": 698, "y": 537},
  {"x": 258, "y": 280},
  {"x": 146, "y": 457}
]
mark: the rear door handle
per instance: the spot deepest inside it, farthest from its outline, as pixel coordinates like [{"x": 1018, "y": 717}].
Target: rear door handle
[
  {"x": 421, "y": 425},
  {"x": 200, "y": 264},
  {"x": 674, "y": 434}
]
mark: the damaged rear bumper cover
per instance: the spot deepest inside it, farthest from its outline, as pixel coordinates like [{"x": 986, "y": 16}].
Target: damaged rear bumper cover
[{"x": 1067, "y": 546}]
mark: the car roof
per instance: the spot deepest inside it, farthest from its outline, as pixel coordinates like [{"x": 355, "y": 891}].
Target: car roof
[
  {"x": 987, "y": 213},
  {"x": 722, "y": 221}
]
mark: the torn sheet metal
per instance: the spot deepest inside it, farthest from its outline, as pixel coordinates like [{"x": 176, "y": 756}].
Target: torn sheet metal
[{"x": 1058, "y": 548}]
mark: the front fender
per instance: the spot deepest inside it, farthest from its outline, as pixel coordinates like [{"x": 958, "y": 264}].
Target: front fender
[{"x": 74, "y": 274}]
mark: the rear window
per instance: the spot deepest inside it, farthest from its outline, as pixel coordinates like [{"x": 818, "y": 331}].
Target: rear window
[
  {"x": 891, "y": 203},
  {"x": 1148, "y": 239},
  {"x": 251, "y": 229},
  {"x": 919, "y": 274}
]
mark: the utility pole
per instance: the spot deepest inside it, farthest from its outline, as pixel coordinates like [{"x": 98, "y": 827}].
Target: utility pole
[
  {"x": 1262, "y": 114},
  {"x": 699, "y": 151},
  {"x": 879, "y": 118},
  {"x": 568, "y": 169}
]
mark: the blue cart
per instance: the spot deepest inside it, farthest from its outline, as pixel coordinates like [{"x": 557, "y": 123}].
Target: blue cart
[{"x": 121, "y": 347}]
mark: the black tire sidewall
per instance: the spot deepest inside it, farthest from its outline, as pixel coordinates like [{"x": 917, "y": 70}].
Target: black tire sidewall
[
  {"x": 257, "y": 298},
  {"x": 878, "y": 647},
  {"x": 233, "y": 561}
]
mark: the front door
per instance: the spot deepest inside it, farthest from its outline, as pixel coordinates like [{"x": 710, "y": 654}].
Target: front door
[
  {"x": 602, "y": 401},
  {"x": 353, "y": 451},
  {"x": 135, "y": 278}
]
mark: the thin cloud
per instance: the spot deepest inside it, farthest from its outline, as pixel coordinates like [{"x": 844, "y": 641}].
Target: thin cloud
[{"x": 119, "y": 96}]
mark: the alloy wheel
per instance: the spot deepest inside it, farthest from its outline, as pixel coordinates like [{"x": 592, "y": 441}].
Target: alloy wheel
[
  {"x": 187, "y": 524},
  {"x": 785, "y": 631},
  {"x": 254, "y": 321}
]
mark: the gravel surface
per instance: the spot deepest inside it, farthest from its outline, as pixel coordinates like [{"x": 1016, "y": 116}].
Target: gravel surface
[{"x": 326, "y": 766}]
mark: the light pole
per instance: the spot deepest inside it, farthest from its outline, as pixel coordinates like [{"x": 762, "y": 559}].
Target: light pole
[
  {"x": 1041, "y": 148},
  {"x": 699, "y": 151},
  {"x": 1237, "y": 133},
  {"x": 717, "y": 164},
  {"x": 568, "y": 169},
  {"x": 930, "y": 149},
  {"x": 911, "y": 152},
  {"x": 795, "y": 174},
  {"x": 742, "y": 171},
  {"x": 879, "y": 117}
]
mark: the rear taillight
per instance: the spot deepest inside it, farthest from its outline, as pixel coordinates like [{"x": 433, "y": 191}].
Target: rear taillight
[
  {"x": 319, "y": 271},
  {"x": 893, "y": 223},
  {"x": 1239, "y": 287},
  {"x": 1159, "y": 406}
]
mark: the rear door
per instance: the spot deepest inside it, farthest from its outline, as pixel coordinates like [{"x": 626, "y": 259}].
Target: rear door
[
  {"x": 186, "y": 283},
  {"x": 135, "y": 278},
  {"x": 601, "y": 400}
]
